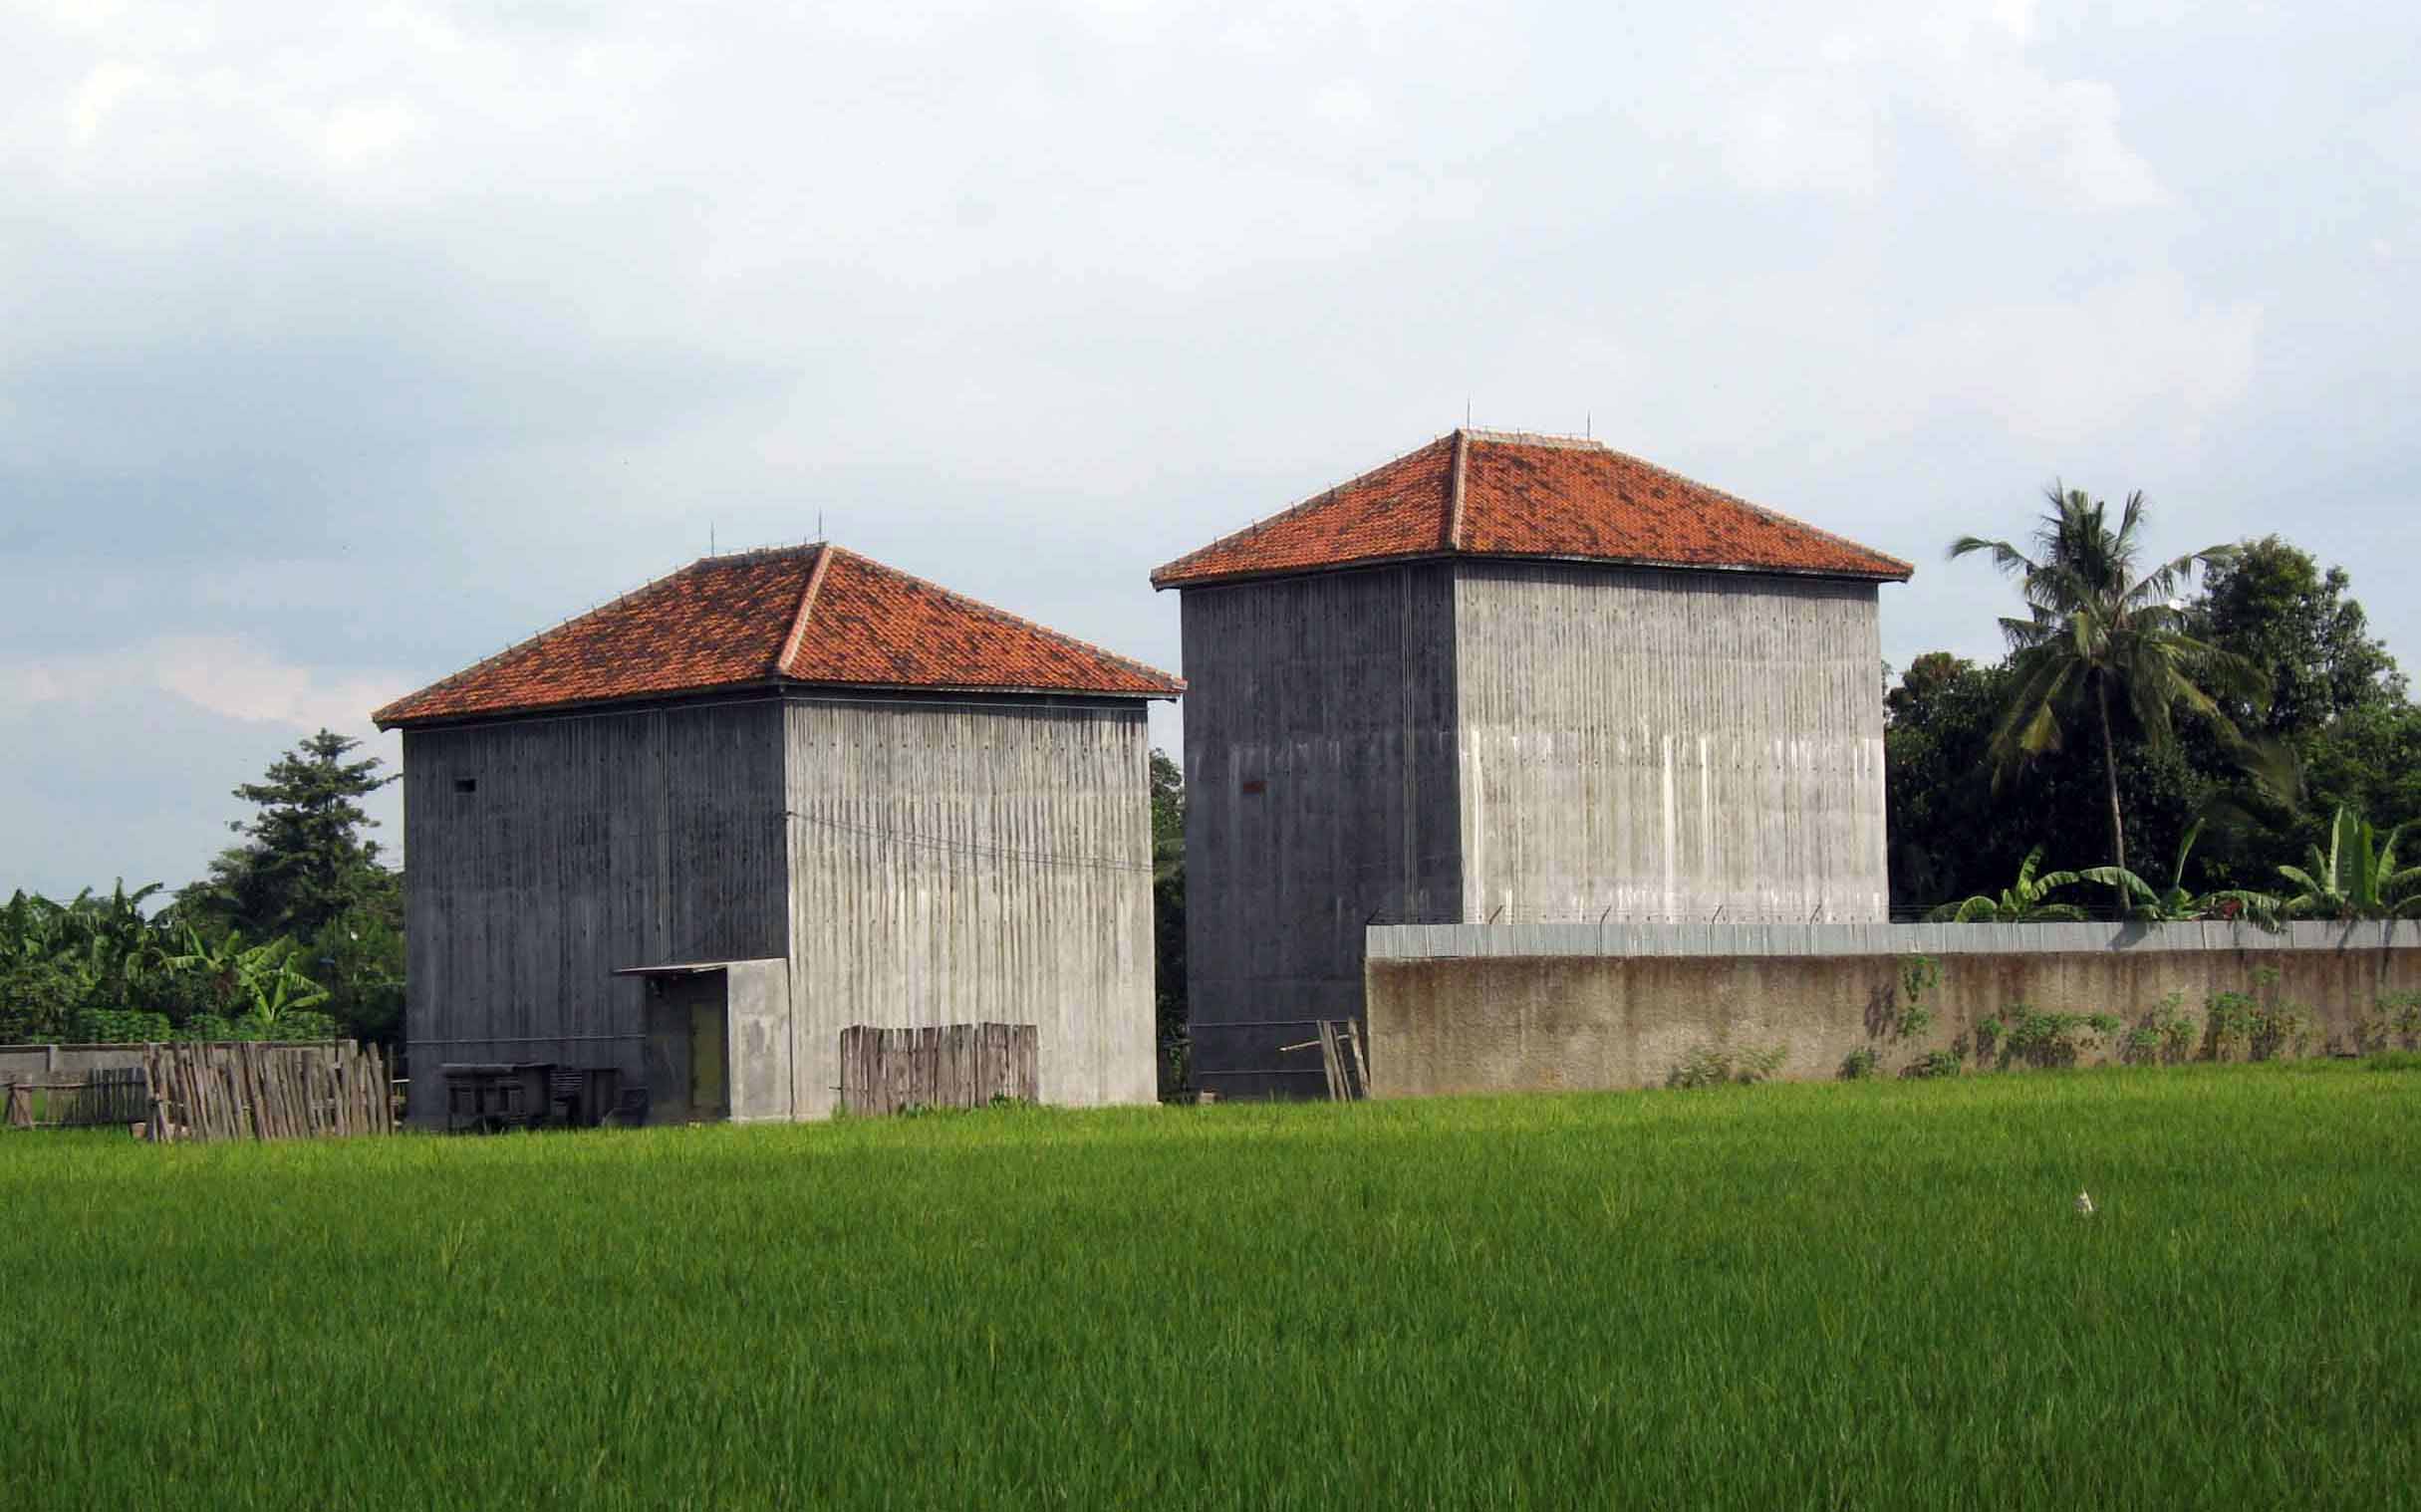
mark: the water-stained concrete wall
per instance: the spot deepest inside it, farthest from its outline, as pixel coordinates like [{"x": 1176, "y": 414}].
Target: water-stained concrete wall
[
  {"x": 1570, "y": 1007},
  {"x": 963, "y": 860},
  {"x": 547, "y": 852},
  {"x": 1320, "y": 794},
  {"x": 1666, "y": 745}
]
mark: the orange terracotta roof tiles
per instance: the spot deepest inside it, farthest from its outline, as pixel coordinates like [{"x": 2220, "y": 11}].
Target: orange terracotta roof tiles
[
  {"x": 810, "y": 615},
  {"x": 1507, "y": 494}
]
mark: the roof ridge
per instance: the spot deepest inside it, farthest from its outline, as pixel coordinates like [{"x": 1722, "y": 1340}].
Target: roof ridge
[
  {"x": 1536, "y": 438},
  {"x": 378, "y": 716},
  {"x": 1291, "y": 510},
  {"x": 1908, "y": 567},
  {"x": 1454, "y": 491},
  {"x": 1146, "y": 669},
  {"x": 798, "y": 622}
]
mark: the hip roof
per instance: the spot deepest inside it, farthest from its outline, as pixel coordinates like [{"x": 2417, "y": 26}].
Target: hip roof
[
  {"x": 814, "y": 616},
  {"x": 1489, "y": 493}
]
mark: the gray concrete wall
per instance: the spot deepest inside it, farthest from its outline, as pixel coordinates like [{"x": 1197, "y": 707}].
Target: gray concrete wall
[
  {"x": 39, "y": 1063},
  {"x": 1668, "y": 745},
  {"x": 591, "y": 842},
  {"x": 1320, "y": 792},
  {"x": 957, "y": 861},
  {"x": 757, "y": 1001},
  {"x": 1566, "y": 1007}
]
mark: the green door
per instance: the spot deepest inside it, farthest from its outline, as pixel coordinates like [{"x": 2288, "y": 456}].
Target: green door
[{"x": 709, "y": 1088}]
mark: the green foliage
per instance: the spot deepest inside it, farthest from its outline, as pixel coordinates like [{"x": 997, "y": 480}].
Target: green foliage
[
  {"x": 2100, "y": 642},
  {"x": 1718, "y": 1063},
  {"x": 1167, "y": 790},
  {"x": 305, "y": 858},
  {"x": 1860, "y": 1064},
  {"x": 2166, "y": 1036},
  {"x": 1919, "y": 977},
  {"x": 117, "y": 1026},
  {"x": 2175, "y": 903},
  {"x": 2042, "y": 1039},
  {"x": 2329, "y": 727},
  {"x": 2025, "y": 901},
  {"x": 2356, "y": 878},
  {"x": 1934, "y": 1063},
  {"x": 2397, "y": 1020}
]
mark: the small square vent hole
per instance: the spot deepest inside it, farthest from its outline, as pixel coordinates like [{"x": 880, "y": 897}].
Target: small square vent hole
[{"x": 466, "y": 784}]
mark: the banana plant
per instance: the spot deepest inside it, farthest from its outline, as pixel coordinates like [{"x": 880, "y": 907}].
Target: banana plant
[
  {"x": 2027, "y": 901},
  {"x": 274, "y": 987},
  {"x": 2357, "y": 879},
  {"x": 2174, "y": 903}
]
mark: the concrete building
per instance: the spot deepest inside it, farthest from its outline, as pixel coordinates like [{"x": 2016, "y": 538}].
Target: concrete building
[
  {"x": 1511, "y": 678},
  {"x": 694, "y": 834}
]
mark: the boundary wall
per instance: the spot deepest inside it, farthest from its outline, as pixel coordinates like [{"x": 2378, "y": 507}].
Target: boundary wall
[{"x": 1465, "y": 1008}]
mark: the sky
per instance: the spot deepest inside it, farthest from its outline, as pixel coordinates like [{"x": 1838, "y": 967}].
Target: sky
[{"x": 341, "y": 345}]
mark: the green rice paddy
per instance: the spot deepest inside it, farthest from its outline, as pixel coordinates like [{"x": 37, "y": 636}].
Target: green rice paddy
[{"x": 1869, "y": 1294}]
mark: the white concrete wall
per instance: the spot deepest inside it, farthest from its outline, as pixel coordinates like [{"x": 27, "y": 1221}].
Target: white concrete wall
[
  {"x": 958, "y": 861},
  {"x": 1668, "y": 745}
]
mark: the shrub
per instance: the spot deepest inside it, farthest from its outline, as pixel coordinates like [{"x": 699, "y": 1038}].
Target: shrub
[
  {"x": 1716, "y": 1064},
  {"x": 2228, "y": 1023},
  {"x": 1934, "y": 1063},
  {"x": 1919, "y": 975},
  {"x": 1859, "y": 1064},
  {"x": 2166, "y": 1036},
  {"x": 2045, "y": 1040},
  {"x": 117, "y": 1026},
  {"x": 2398, "y": 1020},
  {"x": 2279, "y": 1027}
]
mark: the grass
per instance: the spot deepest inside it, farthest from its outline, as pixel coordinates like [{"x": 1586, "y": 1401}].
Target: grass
[{"x": 1791, "y": 1295}]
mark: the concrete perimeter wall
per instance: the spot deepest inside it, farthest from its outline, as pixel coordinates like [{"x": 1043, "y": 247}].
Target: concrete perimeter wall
[
  {"x": 43, "y": 1063},
  {"x": 1566, "y": 1007}
]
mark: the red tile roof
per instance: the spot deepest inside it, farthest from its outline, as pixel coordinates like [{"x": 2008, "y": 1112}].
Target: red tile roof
[
  {"x": 809, "y": 614},
  {"x": 1489, "y": 493}
]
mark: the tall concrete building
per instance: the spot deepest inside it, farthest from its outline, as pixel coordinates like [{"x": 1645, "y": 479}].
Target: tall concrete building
[
  {"x": 1511, "y": 678},
  {"x": 771, "y": 796}
]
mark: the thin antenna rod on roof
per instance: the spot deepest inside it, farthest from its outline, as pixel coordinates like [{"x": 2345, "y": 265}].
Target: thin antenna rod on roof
[
  {"x": 709, "y": 538},
  {"x": 819, "y": 525},
  {"x": 1467, "y": 411},
  {"x": 1588, "y": 423}
]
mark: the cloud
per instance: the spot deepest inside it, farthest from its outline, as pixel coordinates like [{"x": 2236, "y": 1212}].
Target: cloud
[
  {"x": 227, "y": 676},
  {"x": 1825, "y": 102}
]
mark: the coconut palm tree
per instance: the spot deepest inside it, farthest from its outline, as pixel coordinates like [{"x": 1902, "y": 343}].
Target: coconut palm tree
[
  {"x": 2358, "y": 878},
  {"x": 2097, "y": 634}
]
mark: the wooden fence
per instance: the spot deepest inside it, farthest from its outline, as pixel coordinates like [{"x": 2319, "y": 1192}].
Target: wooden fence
[
  {"x": 267, "y": 1091},
  {"x": 949, "y": 1065},
  {"x": 95, "y": 1097}
]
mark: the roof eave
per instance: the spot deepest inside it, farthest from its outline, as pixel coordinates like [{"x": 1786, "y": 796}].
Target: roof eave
[
  {"x": 1160, "y": 583},
  {"x": 762, "y": 686}
]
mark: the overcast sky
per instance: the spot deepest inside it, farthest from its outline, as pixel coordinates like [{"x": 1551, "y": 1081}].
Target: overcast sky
[{"x": 342, "y": 345}]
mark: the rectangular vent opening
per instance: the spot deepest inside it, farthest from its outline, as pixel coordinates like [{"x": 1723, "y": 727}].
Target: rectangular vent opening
[{"x": 466, "y": 784}]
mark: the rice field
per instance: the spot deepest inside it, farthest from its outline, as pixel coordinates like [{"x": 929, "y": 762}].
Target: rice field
[{"x": 1777, "y": 1296}]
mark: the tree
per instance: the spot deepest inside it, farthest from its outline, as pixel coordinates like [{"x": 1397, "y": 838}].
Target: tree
[
  {"x": 1954, "y": 832},
  {"x": 1168, "y": 785},
  {"x": 306, "y": 859},
  {"x": 2096, "y": 634},
  {"x": 2270, "y": 602}
]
